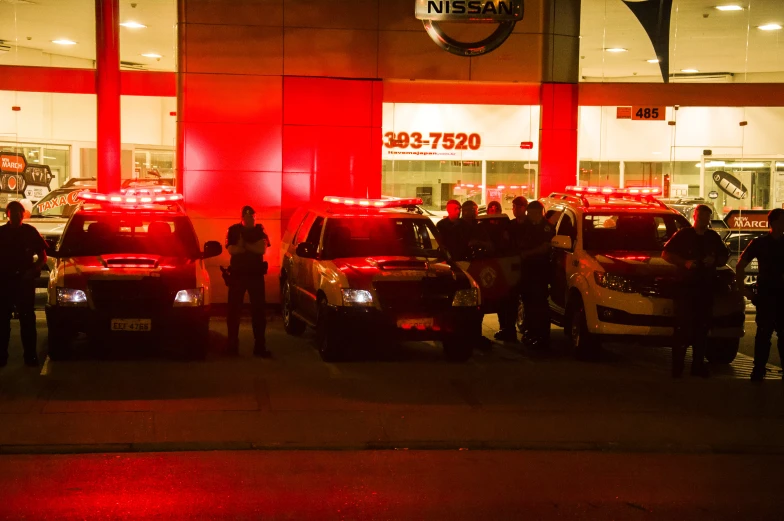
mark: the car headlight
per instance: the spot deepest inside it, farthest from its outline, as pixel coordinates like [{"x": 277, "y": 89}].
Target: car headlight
[
  {"x": 189, "y": 298},
  {"x": 357, "y": 297},
  {"x": 613, "y": 282},
  {"x": 466, "y": 297},
  {"x": 71, "y": 297}
]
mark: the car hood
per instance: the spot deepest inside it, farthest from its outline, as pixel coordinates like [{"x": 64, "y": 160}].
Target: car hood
[
  {"x": 374, "y": 268},
  {"x": 635, "y": 263},
  {"x": 128, "y": 267}
]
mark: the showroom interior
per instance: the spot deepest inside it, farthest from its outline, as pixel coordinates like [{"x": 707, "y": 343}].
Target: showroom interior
[{"x": 277, "y": 103}]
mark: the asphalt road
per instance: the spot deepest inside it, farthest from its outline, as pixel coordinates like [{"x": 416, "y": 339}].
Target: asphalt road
[{"x": 391, "y": 485}]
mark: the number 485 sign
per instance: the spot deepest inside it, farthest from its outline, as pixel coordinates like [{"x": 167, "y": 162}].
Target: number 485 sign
[{"x": 649, "y": 113}]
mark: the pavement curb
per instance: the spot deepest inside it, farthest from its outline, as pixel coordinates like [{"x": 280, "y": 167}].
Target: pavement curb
[{"x": 609, "y": 447}]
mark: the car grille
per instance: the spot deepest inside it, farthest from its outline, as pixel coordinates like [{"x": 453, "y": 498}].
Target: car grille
[
  {"x": 130, "y": 298},
  {"x": 414, "y": 296},
  {"x": 662, "y": 287}
]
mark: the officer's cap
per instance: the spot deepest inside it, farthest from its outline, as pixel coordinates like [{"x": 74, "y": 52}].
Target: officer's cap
[{"x": 247, "y": 210}]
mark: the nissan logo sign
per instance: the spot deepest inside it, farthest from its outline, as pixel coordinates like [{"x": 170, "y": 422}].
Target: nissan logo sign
[{"x": 506, "y": 13}]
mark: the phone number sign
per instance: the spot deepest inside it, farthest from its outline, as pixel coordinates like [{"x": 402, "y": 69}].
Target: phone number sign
[{"x": 434, "y": 140}]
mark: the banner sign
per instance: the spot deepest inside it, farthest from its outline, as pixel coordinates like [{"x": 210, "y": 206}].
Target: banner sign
[
  {"x": 754, "y": 220},
  {"x": 12, "y": 163},
  {"x": 729, "y": 184}
]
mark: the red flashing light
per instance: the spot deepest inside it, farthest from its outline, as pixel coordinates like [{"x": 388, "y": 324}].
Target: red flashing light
[
  {"x": 130, "y": 199},
  {"x": 374, "y": 203},
  {"x": 608, "y": 190}
]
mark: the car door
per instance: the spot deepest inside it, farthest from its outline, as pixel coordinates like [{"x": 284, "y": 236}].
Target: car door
[
  {"x": 309, "y": 273},
  {"x": 296, "y": 262},
  {"x": 563, "y": 262}
]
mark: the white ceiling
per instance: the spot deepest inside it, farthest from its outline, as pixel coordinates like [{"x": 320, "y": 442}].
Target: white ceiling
[
  {"x": 701, "y": 37},
  {"x": 720, "y": 42},
  {"x": 33, "y": 24}
]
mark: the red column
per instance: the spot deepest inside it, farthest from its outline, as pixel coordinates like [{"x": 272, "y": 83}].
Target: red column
[
  {"x": 558, "y": 137},
  {"x": 107, "y": 87}
]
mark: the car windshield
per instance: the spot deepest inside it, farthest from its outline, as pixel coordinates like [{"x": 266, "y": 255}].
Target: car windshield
[
  {"x": 145, "y": 233},
  {"x": 60, "y": 203},
  {"x": 630, "y": 231},
  {"x": 382, "y": 236},
  {"x": 737, "y": 242}
]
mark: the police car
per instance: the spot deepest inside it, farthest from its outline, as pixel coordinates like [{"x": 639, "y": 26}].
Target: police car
[
  {"x": 369, "y": 270},
  {"x": 130, "y": 265},
  {"x": 609, "y": 281}
]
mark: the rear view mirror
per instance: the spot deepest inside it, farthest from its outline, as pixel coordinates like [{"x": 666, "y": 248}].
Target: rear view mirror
[
  {"x": 561, "y": 242},
  {"x": 212, "y": 249},
  {"x": 306, "y": 250}
]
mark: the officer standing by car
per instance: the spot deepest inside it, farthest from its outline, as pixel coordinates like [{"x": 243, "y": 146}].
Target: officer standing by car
[
  {"x": 535, "y": 235},
  {"x": 508, "y": 315},
  {"x": 446, "y": 226},
  {"x": 246, "y": 242},
  {"x": 19, "y": 243},
  {"x": 697, "y": 252},
  {"x": 769, "y": 300}
]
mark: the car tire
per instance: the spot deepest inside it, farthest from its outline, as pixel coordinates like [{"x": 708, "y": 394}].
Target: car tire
[
  {"x": 457, "y": 349},
  {"x": 586, "y": 345},
  {"x": 722, "y": 351},
  {"x": 293, "y": 325},
  {"x": 60, "y": 344},
  {"x": 329, "y": 343}
]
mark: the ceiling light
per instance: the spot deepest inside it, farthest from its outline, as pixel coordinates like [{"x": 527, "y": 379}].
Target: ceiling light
[
  {"x": 616, "y": 49},
  {"x": 133, "y": 25},
  {"x": 64, "y": 42},
  {"x": 729, "y": 8},
  {"x": 769, "y": 27},
  {"x": 690, "y": 71},
  {"x": 152, "y": 55},
  {"x": 654, "y": 60}
]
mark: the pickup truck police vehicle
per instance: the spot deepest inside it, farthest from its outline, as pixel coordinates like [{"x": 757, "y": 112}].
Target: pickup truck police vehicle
[
  {"x": 130, "y": 266},
  {"x": 609, "y": 281},
  {"x": 369, "y": 270}
]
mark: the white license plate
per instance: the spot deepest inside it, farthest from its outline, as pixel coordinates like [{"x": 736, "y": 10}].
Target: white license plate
[
  {"x": 415, "y": 323},
  {"x": 131, "y": 324}
]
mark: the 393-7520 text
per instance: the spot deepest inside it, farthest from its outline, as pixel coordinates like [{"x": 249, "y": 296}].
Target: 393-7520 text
[{"x": 445, "y": 140}]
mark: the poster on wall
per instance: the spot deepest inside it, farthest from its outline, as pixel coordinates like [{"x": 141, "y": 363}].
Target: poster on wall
[
  {"x": 417, "y": 131},
  {"x": 17, "y": 177}
]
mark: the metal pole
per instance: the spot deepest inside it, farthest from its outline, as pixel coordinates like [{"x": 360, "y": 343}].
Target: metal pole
[{"x": 107, "y": 87}]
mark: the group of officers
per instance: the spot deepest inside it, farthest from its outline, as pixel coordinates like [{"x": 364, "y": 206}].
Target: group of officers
[{"x": 527, "y": 235}]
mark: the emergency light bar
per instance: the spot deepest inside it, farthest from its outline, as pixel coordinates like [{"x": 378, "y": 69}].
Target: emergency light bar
[
  {"x": 126, "y": 199},
  {"x": 610, "y": 191},
  {"x": 373, "y": 203},
  {"x": 148, "y": 191}
]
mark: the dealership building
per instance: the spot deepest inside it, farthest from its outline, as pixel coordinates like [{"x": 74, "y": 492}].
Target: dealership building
[{"x": 278, "y": 103}]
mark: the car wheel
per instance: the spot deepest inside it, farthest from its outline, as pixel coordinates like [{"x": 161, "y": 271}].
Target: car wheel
[
  {"x": 330, "y": 346},
  {"x": 457, "y": 349},
  {"x": 60, "y": 343},
  {"x": 291, "y": 324},
  {"x": 586, "y": 345},
  {"x": 723, "y": 350}
]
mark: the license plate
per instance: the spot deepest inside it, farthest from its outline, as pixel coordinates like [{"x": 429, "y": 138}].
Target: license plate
[
  {"x": 131, "y": 324},
  {"x": 415, "y": 323}
]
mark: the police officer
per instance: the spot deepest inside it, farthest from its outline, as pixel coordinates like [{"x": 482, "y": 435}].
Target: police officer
[
  {"x": 446, "y": 226},
  {"x": 468, "y": 232},
  {"x": 697, "y": 252},
  {"x": 19, "y": 243},
  {"x": 769, "y": 300},
  {"x": 508, "y": 314},
  {"x": 535, "y": 236},
  {"x": 246, "y": 242}
]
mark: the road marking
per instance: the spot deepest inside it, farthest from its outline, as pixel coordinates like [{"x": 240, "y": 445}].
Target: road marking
[{"x": 45, "y": 368}]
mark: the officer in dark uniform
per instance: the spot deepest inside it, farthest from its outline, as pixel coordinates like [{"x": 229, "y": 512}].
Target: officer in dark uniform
[
  {"x": 769, "y": 300},
  {"x": 508, "y": 315},
  {"x": 19, "y": 243},
  {"x": 535, "y": 235},
  {"x": 697, "y": 251},
  {"x": 246, "y": 242},
  {"x": 446, "y": 226}
]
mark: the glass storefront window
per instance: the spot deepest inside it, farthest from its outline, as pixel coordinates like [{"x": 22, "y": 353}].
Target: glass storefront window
[{"x": 600, "y": 173}]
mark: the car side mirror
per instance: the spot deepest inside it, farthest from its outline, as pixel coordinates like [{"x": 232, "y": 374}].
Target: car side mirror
[
  {"x": 51, "y": 248},
  {"x": 561, "y": 242},
  {"x": 212, "y": 249},
  {"x": 306, "y": 250}
]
